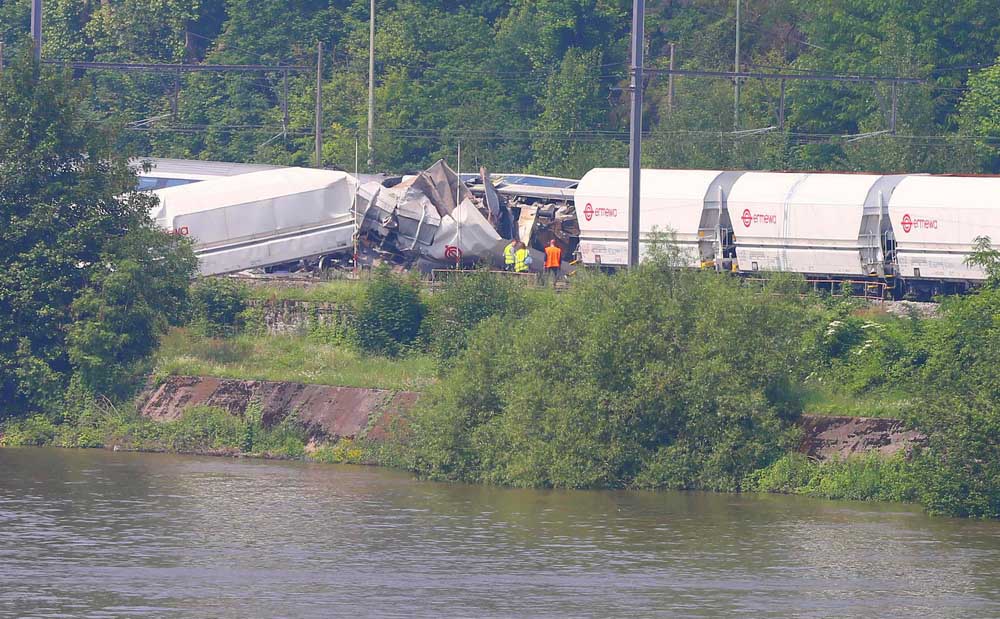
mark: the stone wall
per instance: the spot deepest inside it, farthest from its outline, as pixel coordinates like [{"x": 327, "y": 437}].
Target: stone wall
[{"x": 298, "y": 317}]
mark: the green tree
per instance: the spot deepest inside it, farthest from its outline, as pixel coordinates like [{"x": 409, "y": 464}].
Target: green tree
[
  {"x": 632, "y": 380},
  {"x": 390, "y": 315},
  {"x": 73, "y": 230}
]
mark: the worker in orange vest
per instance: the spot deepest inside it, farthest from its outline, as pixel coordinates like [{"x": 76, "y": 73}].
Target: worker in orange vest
[{"x": 553, "y": 258}]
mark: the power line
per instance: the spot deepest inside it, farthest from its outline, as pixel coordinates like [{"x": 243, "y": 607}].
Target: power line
[
  {"x": 822, "y": 77},
  {"x": 153, "y": 67}
]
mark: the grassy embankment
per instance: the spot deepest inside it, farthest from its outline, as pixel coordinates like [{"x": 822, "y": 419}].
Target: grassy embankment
[
  {"x": 643, "y": 380},
  {"x": 295, "y": 358}
]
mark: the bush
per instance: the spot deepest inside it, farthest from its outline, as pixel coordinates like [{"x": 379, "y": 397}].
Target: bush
[
  {"x": 466, "y": 301},
  {"x": 218, "y": 305},
  {"x": 203, "y": 428},
  {"x": 390, "y": 315},
  {"x": 31, "y": 431},
  {"x": 869, "y": 477},
  {"x": 655, "y": 378}
]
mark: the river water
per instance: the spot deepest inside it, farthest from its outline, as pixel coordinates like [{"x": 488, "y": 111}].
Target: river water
[{"x": 87, "y": 533}]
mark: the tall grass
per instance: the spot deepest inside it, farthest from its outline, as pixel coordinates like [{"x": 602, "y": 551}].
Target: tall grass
[
  {"x": 823, "y": 398},
  {"x": 288, "y": 358}
]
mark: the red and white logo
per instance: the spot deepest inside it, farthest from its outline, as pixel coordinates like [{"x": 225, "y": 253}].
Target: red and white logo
[
  {"x": 760, "y": 218},
  {"x": 590, "y": 212},
  {"x": 182, "y": 231},
  {"x": 451, "y": 252},
  {"x": 909, "y": 223}
]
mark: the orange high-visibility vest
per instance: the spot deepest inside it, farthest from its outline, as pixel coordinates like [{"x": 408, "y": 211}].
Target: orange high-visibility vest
[{"x": 553, "y": 256}]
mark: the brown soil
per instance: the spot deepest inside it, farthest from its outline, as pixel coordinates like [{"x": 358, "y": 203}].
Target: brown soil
[
  {"x": 347, "y": 412},
  {"x": 826, "y": 437},
  {"x": 328, "y": 412}
]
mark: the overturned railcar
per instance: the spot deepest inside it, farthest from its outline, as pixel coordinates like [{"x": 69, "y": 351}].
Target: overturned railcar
[{"x": 262, "y": 218}]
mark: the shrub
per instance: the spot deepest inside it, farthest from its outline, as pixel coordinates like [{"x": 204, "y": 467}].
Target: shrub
[
  {"x": 218, "y": 305},
  {"x": 204, "y": 428},
  {"x": 389, "y": 316},
  {"x": 31, "y": 431},
  {"x": 869, "y": 477},
  {"x": 466, "y": 301},
  {"x": 654, "y": 378}
]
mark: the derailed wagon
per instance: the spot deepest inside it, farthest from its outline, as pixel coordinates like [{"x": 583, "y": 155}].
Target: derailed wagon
[{"x": 262, "y": 218}]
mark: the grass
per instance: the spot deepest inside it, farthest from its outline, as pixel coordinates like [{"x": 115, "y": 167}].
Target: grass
[
  {"x": 289, "y": 358},
  {"x": 826, "y": 399}
]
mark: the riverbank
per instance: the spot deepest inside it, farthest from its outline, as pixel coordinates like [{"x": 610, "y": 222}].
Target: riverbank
[
  {"x": 837, "y": 457},
  {"x": 656, "y": 378}
]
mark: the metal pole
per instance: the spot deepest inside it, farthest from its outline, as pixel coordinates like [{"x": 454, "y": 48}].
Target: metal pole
[
  {"x": 635, "y": 137},
  {"x": 670, "y": 81},
  {"x": 319, "y": 104},
  {"x": 892, "y": 116},
  {"x": 371, "y": 86},
  {"x": 736, "y": 69},
  {"x": 36, "y": 28},
  {"x": 284, "y": 103},
  {"x": 781, "y": 107},
  {"x": 175, "y": 96}
]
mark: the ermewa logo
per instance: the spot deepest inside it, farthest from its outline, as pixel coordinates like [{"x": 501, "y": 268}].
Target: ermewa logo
[
  {"x": 909, "y": 223},
  {"x": 760, "y": 218},
  {"x": 589, "y": 212},
  {"x": 182, "y": 231}
]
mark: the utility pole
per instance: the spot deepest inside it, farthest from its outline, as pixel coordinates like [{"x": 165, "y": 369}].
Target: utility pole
[
  {"x": 36, "y": 28},
  {"x": 670, "y": 81},
  {"x": 736, "y": 69},
  {"x": 319, "y": 104},
  {"x": 371, "y": 87},
  {"x": 895, "y": 104},
  {"x": 635, "y": 137}
]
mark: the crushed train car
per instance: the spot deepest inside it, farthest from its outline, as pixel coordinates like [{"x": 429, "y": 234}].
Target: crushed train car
[{"x": 435, "y": 218}]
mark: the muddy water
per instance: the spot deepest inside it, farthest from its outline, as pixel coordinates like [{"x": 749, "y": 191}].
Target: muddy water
[{"x": 99, "y": 534}]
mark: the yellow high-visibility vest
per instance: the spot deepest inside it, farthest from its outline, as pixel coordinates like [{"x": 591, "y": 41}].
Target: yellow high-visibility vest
[
  {"x": 520, "y": 264},
  {"x": 508, "y": 254}
]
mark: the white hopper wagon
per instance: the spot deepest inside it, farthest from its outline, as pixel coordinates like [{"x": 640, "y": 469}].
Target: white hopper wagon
[
  {"x": 690, "y": 204},
  {"x": 937, "y": 219},
  {"x": 261, "y": 218},
  {"x": 815, "y": 224}
]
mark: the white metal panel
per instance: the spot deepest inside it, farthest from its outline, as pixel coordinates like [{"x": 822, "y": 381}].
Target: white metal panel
[
  {"x": 277, "y": 250},
  {"x": 260, "y": 218},
  {"x": 803, "y": 223},
  {"x": 615, "y": 252},
  {"x": 228, "y": 209},
  {"x": 670, "y": 201},
  {"x": 936, "y": 219}
]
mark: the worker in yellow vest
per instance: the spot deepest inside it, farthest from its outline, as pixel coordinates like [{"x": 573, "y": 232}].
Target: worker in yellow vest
[
  {"x": 521, "y": 258},
  {"x": 508, "y": 256}
]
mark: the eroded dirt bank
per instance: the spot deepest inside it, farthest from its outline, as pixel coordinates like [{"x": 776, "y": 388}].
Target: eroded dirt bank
[
  {"x": 327, "y": 412},
  {"x": 350, "y": 412}
]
